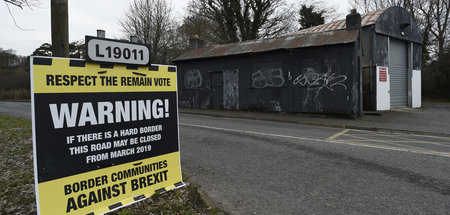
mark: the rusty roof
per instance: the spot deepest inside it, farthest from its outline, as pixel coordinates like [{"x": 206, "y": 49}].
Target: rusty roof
[
  {"x": 326, "y": 34},
  {"x": 366, "y": 20},
  {"x": 263, "y": 45}
]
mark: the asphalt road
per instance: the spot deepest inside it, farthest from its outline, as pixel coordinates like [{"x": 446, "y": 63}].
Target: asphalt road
[
  {"x": 261, "y": 167},
  {"x": 20, "y": 109}
]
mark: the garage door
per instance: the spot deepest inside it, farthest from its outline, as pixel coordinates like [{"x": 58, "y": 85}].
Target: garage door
[{"x": 398, "y": 73}]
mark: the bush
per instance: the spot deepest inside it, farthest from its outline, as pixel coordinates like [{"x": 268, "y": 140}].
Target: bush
[{"x": 14, "y": 83}]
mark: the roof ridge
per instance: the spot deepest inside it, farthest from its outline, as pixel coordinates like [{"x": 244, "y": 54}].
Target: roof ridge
[{"x": 270, "y": 44}]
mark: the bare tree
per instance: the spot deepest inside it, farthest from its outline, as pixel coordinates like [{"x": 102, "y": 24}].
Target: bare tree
[
  {"x": 59, "y": 22},
  {"x": 9, "y": 58},
  {"x": 436, "y": 14},
  {"x": 22, "y": 3},
  {"x": 194, "y": 25},
  {"x": 240, "y": 20},
  {"x": 366, "y": 6},
  {"x": 152, "y": 22},
  {"x": 205, "y": 24}
]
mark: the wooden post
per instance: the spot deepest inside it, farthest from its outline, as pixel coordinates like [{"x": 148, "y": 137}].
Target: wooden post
[{"x": 60, "y": 28}]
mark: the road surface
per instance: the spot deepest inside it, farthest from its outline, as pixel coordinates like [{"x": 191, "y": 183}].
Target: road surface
[
  {"x": 20, "y": 109},
  {"x": 261, "y": 167}
]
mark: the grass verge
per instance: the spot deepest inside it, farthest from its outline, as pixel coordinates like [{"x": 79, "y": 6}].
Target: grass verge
[
  {"x": 17, "y": 183},
  {"x": 16, "y": 166},
  {"x": 186, "y": 200}
]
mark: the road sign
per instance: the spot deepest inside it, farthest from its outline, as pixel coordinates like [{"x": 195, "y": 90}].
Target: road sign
[
  {"x": 103, "y": 50},
  {"x": 104, "y": 136},
  {"x": 382, "y": 74}
]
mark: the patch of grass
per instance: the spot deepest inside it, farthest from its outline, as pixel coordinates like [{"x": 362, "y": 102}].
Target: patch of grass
[
  {"x": 183, "y": 201},
  {"x": 16, "y": 166},
  {"x": 17, "y": 183},
  {"x": 7, "y": 121}
]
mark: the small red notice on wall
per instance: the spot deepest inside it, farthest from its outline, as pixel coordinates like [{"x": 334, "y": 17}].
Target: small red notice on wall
[{"x": 383, "y": 74}]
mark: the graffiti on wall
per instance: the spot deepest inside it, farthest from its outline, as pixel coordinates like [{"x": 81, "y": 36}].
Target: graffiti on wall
[
  {"x": 193, "y": 79},
  {"x": 268, "y": 78},
  {"x": 276, "y": 105},
  {"x": 313, "y": 80}
]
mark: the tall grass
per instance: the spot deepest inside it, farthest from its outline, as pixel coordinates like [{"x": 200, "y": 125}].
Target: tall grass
[
  {"x": 15, "y": 83},
  {"x": 15, "y": 94}
]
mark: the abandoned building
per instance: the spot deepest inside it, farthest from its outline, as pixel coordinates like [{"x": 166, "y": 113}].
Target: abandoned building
[{"x": 365, "y": 62}]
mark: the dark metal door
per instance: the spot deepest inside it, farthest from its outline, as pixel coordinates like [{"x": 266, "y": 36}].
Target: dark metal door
[
  {"x": 217, "y": 89},
  {"x": 231, "y": 89}
]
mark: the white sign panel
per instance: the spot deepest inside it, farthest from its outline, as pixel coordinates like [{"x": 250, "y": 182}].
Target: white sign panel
[
  {"x": 416, "y": 89},
  {"x": 103, "y": 50},
  {"x": 383, "y": 89}
]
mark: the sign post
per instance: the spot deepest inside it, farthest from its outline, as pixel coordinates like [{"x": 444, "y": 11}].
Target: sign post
[{"x": 104, "y": 136}]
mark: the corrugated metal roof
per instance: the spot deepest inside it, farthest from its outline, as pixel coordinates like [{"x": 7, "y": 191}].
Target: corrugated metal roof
[
  {"x": 326, "y": 34},
  {"x": 263, "y": 45},
  {"x": 366, "y": 20}
]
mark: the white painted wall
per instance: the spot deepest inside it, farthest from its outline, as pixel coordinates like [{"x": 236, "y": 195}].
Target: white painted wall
[
  {"x": 416, "y": 86},
  {"x": 383, "y": 90}
]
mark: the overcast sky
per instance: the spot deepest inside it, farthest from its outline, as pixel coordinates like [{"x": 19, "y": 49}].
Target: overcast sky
[{"x": 85, "y": 17}]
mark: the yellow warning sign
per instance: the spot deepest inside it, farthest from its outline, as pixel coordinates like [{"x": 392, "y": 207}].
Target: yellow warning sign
[
  {"x": 61, "y": 77},
  {"x": 104, "y": 135}
]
